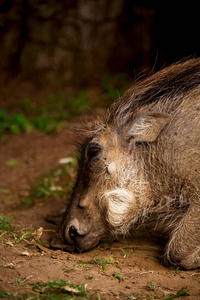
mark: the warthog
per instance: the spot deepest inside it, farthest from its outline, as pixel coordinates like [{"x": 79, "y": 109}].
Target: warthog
[{"x": 141, "y": 166}]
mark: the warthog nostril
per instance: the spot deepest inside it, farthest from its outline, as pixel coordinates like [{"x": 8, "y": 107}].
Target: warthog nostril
[
  {"x": 72, "y": 231},
  {"x": 75, "y": 230}
]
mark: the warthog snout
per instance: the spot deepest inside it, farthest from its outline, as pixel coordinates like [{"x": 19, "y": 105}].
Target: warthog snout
[
  {"x": 81, "y": 236},
  {"x": 78, "y": 229},
  {"x": 74, "y": 231}
]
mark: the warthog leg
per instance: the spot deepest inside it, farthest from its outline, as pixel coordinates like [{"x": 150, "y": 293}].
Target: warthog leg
[{"x": 184, "y": 247}]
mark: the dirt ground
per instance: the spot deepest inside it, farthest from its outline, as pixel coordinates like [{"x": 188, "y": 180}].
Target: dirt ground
[{"x": 133, "y": 269}]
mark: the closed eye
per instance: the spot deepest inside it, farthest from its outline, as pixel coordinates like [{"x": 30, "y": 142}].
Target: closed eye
[{"x": 93, "y": 150}]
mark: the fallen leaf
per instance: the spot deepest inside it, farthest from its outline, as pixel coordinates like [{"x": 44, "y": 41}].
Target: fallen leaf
[
  {"x": 26, "y": 253},
  {"x": 38, "y": 233},
  {"x": 71, "y": 289}
]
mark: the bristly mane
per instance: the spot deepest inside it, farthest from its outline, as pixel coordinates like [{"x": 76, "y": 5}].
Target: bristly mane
[{"x": 175, "y": 80}]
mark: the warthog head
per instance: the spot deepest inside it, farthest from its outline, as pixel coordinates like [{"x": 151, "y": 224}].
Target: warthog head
[{"x": 111, "y": 186}]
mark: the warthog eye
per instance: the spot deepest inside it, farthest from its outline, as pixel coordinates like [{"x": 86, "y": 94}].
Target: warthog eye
[{"x": 92, "y": 150}]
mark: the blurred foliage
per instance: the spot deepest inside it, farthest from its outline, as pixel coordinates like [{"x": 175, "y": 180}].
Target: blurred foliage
[
  {"x": 5, "y": 223},
  {"x": 48, "y": 114},
  {"x": 56, "y": 183},
  {"x": 15, "y": 123},
  {"x": 113, "y": 87},
  {"x": 47, "y": 117}
]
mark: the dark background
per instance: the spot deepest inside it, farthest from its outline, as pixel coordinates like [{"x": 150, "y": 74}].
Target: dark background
[{"x": 75, "y": 42}]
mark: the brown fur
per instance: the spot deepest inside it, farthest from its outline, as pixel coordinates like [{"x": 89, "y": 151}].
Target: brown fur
[{"x": 152, "y": 138}]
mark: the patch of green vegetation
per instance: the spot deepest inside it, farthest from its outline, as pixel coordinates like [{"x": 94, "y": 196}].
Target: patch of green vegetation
[
  {"x": 126, "y": 252},
  {"x": 12, "y": 162},
  {"x": 116, "y": 276},
  {"x": 47, "y": 117},
  {"x": 89, "y": 276},
  {"x": 98, "y": 297},
  {"x": 16, "y": 237},
  {"x": 176, "y": 270},
  {"x": 46, "y": 124},
  {"x": 68, "y": 270},
  {"x": 58, "y": 182},
  {"x": 23, "y": 235},
  {"x": 51, "y": 290},
  {"x": 46, "y": 187},
  {"x": 182, "y": 292},
  {"x": 155, "y": 288},
  {"x": 59, "y": 289},
  {"x": 14, "y": 124},
  {"x": 113, "y": 87},
  {"x": 21, "y": 282},
  {"x": 17, "y": 295},
  {"x": 18, "y": 123},
  {"x": 102, "y": 262},
  {"x": 10, "y": 234},
  {"x": 66, "y": 106},
  {"x": 5, "y": 223}
]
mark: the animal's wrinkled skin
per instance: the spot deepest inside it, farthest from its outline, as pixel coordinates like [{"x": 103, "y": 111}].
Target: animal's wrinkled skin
[{"x": 141, "y": 166}]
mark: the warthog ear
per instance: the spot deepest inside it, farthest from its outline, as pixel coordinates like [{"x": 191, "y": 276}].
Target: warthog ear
[{"x": 147, "y": 127}]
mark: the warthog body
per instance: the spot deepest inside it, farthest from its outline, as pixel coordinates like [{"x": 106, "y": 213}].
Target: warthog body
[{"x": 141, "y": 166}]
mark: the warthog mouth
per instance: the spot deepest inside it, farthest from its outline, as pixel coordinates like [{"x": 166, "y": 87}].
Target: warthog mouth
[
  {"x": 57, "y": 243},
  {"x": 78, "y": 243}
]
